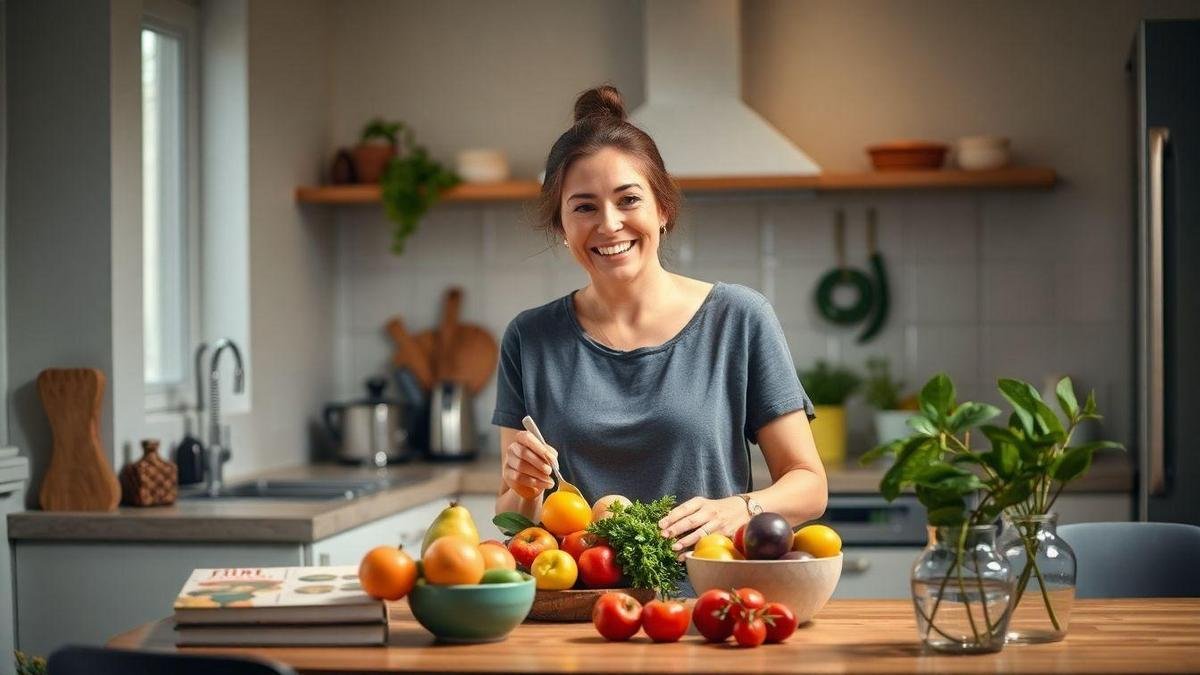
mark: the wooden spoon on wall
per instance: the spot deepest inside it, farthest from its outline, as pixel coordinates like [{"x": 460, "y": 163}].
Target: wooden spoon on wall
[{"x": 409, "y": 354}]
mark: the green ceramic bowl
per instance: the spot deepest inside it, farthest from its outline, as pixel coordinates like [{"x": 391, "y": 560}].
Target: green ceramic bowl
[{"x": 472, "y": 613}]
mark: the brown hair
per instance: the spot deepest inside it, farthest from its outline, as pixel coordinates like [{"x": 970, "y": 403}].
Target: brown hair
[{"x": 600, "y": 122}]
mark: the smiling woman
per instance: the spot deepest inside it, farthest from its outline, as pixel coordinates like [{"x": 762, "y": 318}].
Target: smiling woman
[{"x": 651, "y": 383}]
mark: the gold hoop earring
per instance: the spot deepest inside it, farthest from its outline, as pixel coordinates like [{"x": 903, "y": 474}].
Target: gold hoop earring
[{"x": 662, "y": 230}]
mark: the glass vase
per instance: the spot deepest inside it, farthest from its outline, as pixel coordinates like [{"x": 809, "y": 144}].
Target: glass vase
[
  {"x": 961, "y": 588},
  {"x": 1044, "y": 566}
]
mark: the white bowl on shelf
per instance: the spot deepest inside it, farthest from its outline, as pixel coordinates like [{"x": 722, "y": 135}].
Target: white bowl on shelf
[
  {"x": 803, "y": 585},
  {"x": 981, "y": 153},
  {"x": 482, "y": 165}
]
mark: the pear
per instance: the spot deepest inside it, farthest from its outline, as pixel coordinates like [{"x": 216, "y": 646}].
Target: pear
[{"x": 453, "y": 521}]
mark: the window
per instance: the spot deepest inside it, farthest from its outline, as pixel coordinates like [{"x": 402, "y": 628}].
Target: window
[{"x": 170, "y": 302}]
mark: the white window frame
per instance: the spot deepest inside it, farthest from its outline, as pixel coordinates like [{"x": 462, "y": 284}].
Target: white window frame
[{"x": 181, "y": 20}]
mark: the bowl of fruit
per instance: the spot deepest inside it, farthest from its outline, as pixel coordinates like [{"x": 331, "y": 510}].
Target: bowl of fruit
[
  {"x": 799, "y": 569},
  {"x": 461, "y": 590}
]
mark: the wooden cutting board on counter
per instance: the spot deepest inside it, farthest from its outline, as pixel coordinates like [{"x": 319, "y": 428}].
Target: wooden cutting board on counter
[
  {"x": 454, "y": 351},
  {"x": 79, "y": 477}
]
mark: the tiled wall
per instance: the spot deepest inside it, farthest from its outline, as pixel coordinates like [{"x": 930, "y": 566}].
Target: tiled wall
[{"x": 984, "y": 284}]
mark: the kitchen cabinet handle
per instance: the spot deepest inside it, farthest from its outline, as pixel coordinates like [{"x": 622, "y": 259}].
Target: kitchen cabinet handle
[
  {"x": 1155, "y": 389},
  {"x": 855, "y": 565}
]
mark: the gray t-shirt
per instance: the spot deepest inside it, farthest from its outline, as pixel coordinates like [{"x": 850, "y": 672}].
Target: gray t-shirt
[{"x": 669, "y": 419}]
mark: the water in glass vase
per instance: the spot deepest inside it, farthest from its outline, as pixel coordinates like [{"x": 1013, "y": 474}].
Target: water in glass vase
[
  {"x": 966, "y": 619},
  {"x": 1030, "y": 622}
]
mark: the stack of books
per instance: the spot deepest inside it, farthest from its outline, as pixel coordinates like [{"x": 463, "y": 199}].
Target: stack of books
[{"x": 275, "y": 606}]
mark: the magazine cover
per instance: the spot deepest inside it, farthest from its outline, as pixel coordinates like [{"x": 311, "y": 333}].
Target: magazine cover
[{"x": 272, "y": 587}]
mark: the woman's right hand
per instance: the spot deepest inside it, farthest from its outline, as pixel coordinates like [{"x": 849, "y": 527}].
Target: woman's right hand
[{"x": 527, "y": 465}]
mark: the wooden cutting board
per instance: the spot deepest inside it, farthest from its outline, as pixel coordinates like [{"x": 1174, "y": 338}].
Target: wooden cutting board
[
  {"x": 410, "y": 354},
  {"x": 80, "y": 477},
  {"x": 576, "y": 605},
  {"x": 460, "y": 352}
]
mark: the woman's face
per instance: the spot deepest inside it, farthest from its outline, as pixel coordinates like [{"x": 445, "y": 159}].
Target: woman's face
[{"x": 611, "y": 221}]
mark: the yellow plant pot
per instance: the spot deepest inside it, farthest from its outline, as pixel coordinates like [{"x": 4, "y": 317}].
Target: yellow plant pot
[{"x": 829, "y": 433}]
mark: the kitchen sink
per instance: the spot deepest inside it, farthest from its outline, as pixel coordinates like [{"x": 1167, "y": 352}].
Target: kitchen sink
[{"x": 323, "y": 488}]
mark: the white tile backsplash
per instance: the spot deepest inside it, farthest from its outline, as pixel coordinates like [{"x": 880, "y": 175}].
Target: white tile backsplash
[
  {"x": 946, "y": 292},
  {"x": 1017, "y": 291},
  {"x": 979, "y": 287}
]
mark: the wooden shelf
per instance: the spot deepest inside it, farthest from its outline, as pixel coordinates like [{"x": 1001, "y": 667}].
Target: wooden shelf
[{"x": 520, "y": 190}]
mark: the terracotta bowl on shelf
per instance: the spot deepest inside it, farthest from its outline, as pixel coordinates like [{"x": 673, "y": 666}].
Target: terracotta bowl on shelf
[{"x": 907, "y": 155}]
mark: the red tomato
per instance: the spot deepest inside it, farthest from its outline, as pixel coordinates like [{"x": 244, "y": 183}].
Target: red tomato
[
  {"x": 739, "y": 540},
  {"x": 749, "y": 600},
  {"x": 781, "y": 621},
  {"x": 578, "y": 542},
  {"x": 598, "y": 567},
  {"x": 714, "y": 615},
  {"x": 617, "y": 616},
  {"x": 750, "y": 631},
  {"x": 665, "y": 621}
]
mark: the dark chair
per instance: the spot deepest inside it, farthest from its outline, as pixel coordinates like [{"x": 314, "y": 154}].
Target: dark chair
[
  {"x": 73, "y": 660},
  {"x": 1135, "y": 560}
]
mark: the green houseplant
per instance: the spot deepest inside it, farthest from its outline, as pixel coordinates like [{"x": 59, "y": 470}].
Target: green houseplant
[
  {"x": 376, "y": 146},
  {"x": 412, "y": 182},
  {"x": 965, "y": 490},
  {"x": 828, "y": 387},
  {"x": 883, "y": 393}
]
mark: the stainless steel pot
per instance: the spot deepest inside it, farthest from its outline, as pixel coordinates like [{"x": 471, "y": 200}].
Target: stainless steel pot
[
  {"x": 371, "y": 431},
  {"x": 451, "y": 422}
]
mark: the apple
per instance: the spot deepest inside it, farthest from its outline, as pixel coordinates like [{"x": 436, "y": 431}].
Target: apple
[
  {"x": 598, "y": 567},
  {"x": 578, "y": 542},
  {"x": 739, "y": 539},
  {"x": 554, "y": 570},
  {"x": 528, "y": 543}
]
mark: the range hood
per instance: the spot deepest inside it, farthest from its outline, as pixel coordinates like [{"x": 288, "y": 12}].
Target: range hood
[{"x": 693, "y": 108}]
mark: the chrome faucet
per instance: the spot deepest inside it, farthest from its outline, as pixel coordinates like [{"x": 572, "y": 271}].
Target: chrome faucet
[{"x": 219, "y": 451}]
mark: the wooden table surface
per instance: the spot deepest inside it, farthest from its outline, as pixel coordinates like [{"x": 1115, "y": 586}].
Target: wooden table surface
[{"x": 857, "y": 636}]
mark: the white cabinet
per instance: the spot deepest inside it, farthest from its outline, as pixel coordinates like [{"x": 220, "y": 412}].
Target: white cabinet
[
  {"x": 876, "y": 572},
  {"x": 87, "y": 592},
  {"x": 406, "y": 528}
]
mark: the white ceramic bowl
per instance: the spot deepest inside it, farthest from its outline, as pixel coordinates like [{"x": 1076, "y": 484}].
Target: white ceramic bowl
[
  {"x": 981, "y": 153},
  {"x": 803, "y": 585},
  {"x": 482, "y": 165}
]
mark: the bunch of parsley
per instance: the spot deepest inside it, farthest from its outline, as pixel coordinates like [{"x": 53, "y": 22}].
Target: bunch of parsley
[{"x": 644, "y": 555}]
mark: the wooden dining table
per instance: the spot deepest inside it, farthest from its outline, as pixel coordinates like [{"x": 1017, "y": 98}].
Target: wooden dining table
[{"x": 846, "y": 636}]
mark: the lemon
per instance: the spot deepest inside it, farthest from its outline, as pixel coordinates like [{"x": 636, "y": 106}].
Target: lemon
[
  {"x": 819, "y": 540},
  {"x": 713, "y": 553}
]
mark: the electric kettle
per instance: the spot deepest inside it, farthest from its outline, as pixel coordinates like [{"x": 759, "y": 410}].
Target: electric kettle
[{"x": 451, "y": 423}]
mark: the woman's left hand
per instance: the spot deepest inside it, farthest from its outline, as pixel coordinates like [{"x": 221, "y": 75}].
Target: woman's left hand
[{"x": 698, "y": 516}]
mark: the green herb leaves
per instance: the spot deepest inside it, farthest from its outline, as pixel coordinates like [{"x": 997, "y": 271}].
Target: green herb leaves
[{"x": 644, "y": 556}]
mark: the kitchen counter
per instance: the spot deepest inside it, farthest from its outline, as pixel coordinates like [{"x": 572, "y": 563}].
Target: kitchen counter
[
  {"x": 280, "y": 520},
  {"x": 847, "y": 636}
]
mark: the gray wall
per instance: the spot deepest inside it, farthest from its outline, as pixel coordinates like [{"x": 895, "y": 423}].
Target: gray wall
[
  {"x": 3, "y": 221},
  {"x": 986, "y": 284},
  {"x": 73, "y": 226}
]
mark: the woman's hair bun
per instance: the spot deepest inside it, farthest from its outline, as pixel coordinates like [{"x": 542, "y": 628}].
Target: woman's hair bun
[{"x": 600, "y": 102}]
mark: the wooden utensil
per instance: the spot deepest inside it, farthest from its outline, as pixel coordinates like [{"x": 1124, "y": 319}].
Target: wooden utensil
[
  {"x": 80, "y": 477},
  {"x": 563, "y": 485},
  {"x": 471, "y": 353},
  {"x": 576, "y": 605},
  {"x": 409, "y": 353}
]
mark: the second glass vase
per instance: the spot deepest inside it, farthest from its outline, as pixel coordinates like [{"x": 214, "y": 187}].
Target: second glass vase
[{"x": 1044, "y": 566}]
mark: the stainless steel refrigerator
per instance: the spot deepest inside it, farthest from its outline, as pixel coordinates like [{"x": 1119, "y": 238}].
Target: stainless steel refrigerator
[{"x": 1167, "y": 75}]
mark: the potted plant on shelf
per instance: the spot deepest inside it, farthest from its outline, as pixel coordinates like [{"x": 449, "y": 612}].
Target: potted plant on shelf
[
  {"x": 411, "y": 184},
  {"x": 376, "y": 145},
  {"x": 1020, "y": 476},
  {"x": 828, "y": 387},
  {"x": 884, "y": 395}
]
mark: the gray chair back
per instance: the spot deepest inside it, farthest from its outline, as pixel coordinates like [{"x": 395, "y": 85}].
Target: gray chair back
[
  {"x": 79, "y": 660},
  {"x": 1135, "y": 560}
]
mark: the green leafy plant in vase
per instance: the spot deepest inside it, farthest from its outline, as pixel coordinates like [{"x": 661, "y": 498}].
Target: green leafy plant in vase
[
  {"x": 965, "y": 490},
  {"x": 828, "y": 387},
  {"x": 884, "y": 393},
  {"x": 376, "y": 146},
  {"x": 1039, "y": 460}
]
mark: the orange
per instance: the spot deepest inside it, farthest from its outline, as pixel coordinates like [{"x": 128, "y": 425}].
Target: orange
[
  {"x": 565, "y": 512},
  {"x": 387, "y": 573},
  {"x": 819, "y": 540},
  {"x": 453, "y": 560},
  {"x": 495, "y": 556}
]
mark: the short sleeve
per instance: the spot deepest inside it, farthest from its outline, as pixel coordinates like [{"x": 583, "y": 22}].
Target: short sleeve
[
  {"x": 510, "y": 384},
  {"x": 772, "y": 387}
]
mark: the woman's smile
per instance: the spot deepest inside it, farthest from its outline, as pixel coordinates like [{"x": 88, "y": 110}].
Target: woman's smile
[{"x": 614, "y": 252}]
